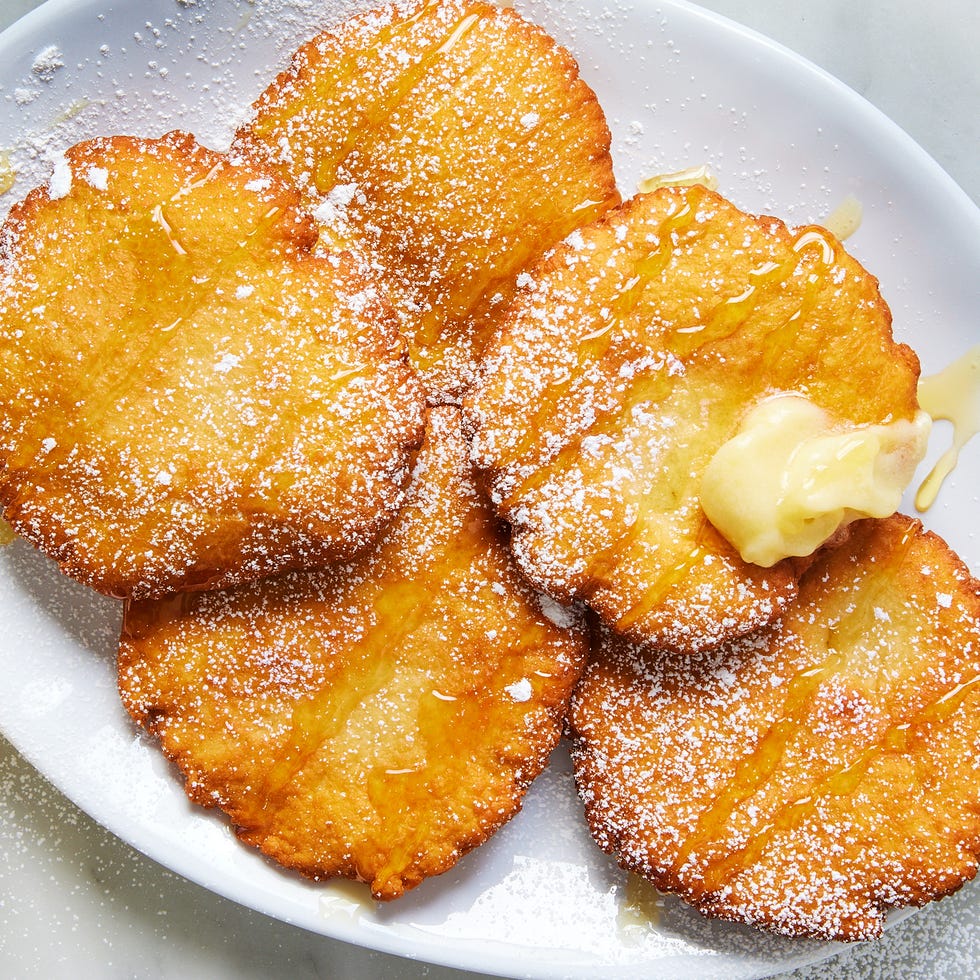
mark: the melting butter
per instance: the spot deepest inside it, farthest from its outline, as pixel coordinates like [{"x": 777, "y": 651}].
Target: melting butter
[
  {"x": 954, "y": 396},
  {"x": 681, "y": 178},
  {"x": 7, "y": 535},
  {"x": 793, "y": 475}
]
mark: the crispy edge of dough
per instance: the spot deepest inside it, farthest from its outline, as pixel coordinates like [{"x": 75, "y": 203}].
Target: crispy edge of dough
[
  {"x": 774, "y": 588},
  {"x": 448, "y": 365}
]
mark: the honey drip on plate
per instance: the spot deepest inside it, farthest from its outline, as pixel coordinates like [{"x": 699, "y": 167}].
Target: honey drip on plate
[
  {"x": 641, "y": 907},
  {"x": 954, "y": 396},
  {"x": 345, "y": 901},
  {"x": 8, "y": 175},
  {"x": 679, "y": 178},
  {"x": 845, "y": 219}
]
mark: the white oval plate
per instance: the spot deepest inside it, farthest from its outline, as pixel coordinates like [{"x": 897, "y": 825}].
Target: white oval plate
[{"x": 681, "y": 88}]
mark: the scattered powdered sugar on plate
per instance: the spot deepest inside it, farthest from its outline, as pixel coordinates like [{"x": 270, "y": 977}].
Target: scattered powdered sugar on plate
[
  {"x": 48, "y": 62},
  {"x": 123, "y": 906},
  {"x": 59, "y": 184},
  {"x": 936, "y": 943},
  {"x": 146, "y": 69}
]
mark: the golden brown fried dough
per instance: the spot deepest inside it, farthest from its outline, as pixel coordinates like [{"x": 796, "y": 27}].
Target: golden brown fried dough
[
  {"x": 453, "y": 142},
  {"x": 188, "y": 398},
  {"x": 812, "y": 775},
  {"x": 628, "y": 361},
  {"x": 373, "y": 720}
]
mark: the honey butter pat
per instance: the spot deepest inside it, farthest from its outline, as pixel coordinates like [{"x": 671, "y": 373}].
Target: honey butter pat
[{"x": 794, "y": 474}]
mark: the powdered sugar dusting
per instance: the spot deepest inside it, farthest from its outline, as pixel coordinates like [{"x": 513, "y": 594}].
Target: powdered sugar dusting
[
  {"x": 147, "y": 71},
  {"x": 310, "y": 493},
  {"x": 47, "y": 62},
  {"x": 360, "y": 143},
  {"x": 761, "y": 802},
  {"x": 520, "y": 690},
  {"x": 97, "y": 177},
  {"x": 932, "y": 939},
  {"x": 399, "y": 679},
  {"x": 59, "y": 183}
]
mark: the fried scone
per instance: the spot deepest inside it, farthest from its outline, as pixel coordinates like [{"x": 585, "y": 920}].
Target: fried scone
[
  {"x": 628, "y": 360},
  {"x": 453, "y": 142},
  {"x": 373, "y": 720},
  {"x": 189, "y": 398},
  {"x": 810, "y": 776}
]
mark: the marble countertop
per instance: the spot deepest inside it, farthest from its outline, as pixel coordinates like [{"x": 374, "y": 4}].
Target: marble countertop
[{"x": 76, "y": 902}]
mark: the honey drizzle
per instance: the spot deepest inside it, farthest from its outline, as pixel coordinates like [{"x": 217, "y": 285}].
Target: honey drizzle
[
  {"x": 648, "y": 388},
  {"x": 753, "y": 771},
  {"x": 317, "y": 719},
  {"x": 177, "y": 275},
  {"x": 381, "y": 109},
  {"x": 397, "y": 795},
  {"x": 348, "y": 64},
  {"x": 725, "y": 320},
  {"x": 8, "y": 176},
  {"x": 399, "y": 611},
  {"x": 605, "y": 561},
  {"x": 658, "y": 591},
  {"x": 596, "y": 344},
  {"x": 895, "y": 740},
  {"x": 779, "y": 340},
  {"x": 954, "y": 396}
]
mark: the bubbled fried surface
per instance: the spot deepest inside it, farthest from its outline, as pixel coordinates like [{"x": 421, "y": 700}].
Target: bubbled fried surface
[
  {"x": 452, "y": 142},
  {"x": 376, "y": 719},
  {"x": 622, "y": 366},
  {"x": 812, "y": 775},
  {"x": 189, "y": 398}
]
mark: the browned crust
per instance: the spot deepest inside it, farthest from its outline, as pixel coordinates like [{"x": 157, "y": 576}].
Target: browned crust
[
  {"x": 623, "y": 366},
  {"x": 374, "y": 720},
  {"x": 459, "y": 161}
]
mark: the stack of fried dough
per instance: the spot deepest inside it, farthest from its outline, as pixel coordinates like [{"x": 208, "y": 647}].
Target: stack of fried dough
[{"x": 389, "y": 427}]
